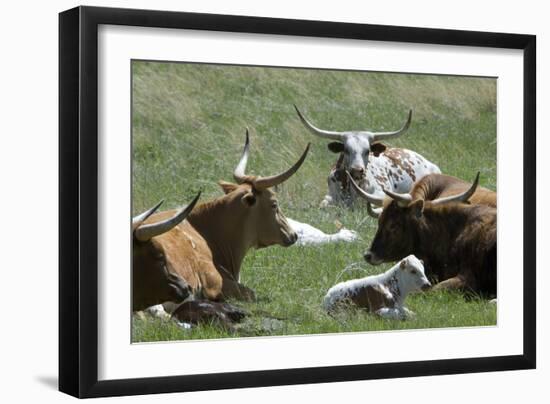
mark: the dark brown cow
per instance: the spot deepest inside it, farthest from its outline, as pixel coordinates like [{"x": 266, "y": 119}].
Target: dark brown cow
[
  {"x": 202, "y": 256},
  {"x": 457, "y": 241}
]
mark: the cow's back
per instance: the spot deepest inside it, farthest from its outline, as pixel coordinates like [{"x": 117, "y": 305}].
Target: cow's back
[
  {"x": 434, "y": 186},
  {"x": 398, "y": 169}
]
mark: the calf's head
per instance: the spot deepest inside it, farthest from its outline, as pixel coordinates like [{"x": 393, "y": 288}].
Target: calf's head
[
  {"x": 255, "y": 205},
  {"x": 152, "y": 281},
  {"x": 400, "y": 219},
  {"x": 355, "y": 146},
  {"x": 411, "y": 275}
]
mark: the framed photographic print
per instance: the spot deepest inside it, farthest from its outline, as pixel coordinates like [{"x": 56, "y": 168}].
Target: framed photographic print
[{"x": 250, "y": 201}]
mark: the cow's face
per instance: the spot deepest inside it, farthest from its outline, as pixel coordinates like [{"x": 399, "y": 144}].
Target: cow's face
[
  {"x": 356, "y": 149},
  {"x": 263, "y": 221},
  {"x": 272, "y": 226},
  {"x": 396, "y": 234},
  {"x": 355, "y": 145},
  {"x": 411, "y": 275},
  {"x": 152, "y": 282}
]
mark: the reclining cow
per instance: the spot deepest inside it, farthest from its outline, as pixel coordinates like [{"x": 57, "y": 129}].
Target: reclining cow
[
  {"x": 457, "y": 241},
  {"x": 201, "y": 257},
  {"x": 371, "y": 164}
]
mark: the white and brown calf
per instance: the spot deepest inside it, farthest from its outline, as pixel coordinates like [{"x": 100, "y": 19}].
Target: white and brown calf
[{"x": 382, "y": 294}]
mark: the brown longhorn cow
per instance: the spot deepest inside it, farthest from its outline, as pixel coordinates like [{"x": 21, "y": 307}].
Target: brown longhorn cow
[
  {"x": 202, "y": 256},
  {"x": 457, "y": 241}
]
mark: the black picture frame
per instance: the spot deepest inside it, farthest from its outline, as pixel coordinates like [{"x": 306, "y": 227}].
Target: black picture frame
[{"x": 78, "y": 196}]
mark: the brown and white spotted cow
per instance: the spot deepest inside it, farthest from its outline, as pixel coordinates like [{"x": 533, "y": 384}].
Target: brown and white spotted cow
[
  {"x": 372, "y": 165},
  {"x": 201, "y": 257}
]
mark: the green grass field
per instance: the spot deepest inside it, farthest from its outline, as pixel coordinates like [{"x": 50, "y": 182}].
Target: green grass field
[{"x": 188, "y": 131}]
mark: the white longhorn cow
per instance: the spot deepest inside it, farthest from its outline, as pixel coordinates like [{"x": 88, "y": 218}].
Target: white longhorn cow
[{"x": 372, "y": 165}]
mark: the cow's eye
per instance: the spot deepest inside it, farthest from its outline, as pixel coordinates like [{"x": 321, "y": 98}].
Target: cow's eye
[
  {"x": 413, "y": 271},
  {"x": 274, "y": 205}
]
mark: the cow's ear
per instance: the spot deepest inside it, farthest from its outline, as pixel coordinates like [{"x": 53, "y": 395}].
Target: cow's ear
[
  {"x": 227, "y": 187},
  {"x": 377, "y": 148},
  {"x": 249, "y": 199},
  {"x": 336, "y": 147},
  {"x": 417, "y": 208}
]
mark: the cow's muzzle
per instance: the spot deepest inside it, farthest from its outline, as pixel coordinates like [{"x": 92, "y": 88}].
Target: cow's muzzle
[
  {"x": 426, "y": 286},
  {"x": 289, "y": 238},
  {"x": 372, "y": 258},
  {"x": 357, "y": 173}
]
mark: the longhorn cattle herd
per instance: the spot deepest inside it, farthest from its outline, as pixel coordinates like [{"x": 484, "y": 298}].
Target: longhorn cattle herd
[{"x": 187, "y": 262}]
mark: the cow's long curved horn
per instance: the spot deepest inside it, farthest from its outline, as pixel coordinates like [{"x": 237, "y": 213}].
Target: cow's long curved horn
[
  {"x": 377, "y": 136},
  {"x": 268, "y": 182},
  {"x": 239, "y": 173},
  {"x": 139, "y": 219},
  {"x": 373, "y": 212},
  {"x": 402, "y": 200},
  {"x": 463, "y": 197},
  {"x": 316, "y": 131},
  {"x": 375, "y": 200},
  {"x": 148, "y": 231}
]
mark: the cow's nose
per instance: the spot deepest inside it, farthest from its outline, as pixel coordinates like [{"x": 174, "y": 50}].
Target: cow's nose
[
  {"x": 368, "y": 256},
  {"x": 292, "y": 238},
  {"x": 372, "y": 258},
  {"x": 426, "y": 286},
  {"x": 357, "y": 171}
]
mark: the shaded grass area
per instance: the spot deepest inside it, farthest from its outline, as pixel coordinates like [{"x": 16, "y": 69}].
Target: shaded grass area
[{"x": 188, "y": 131}]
